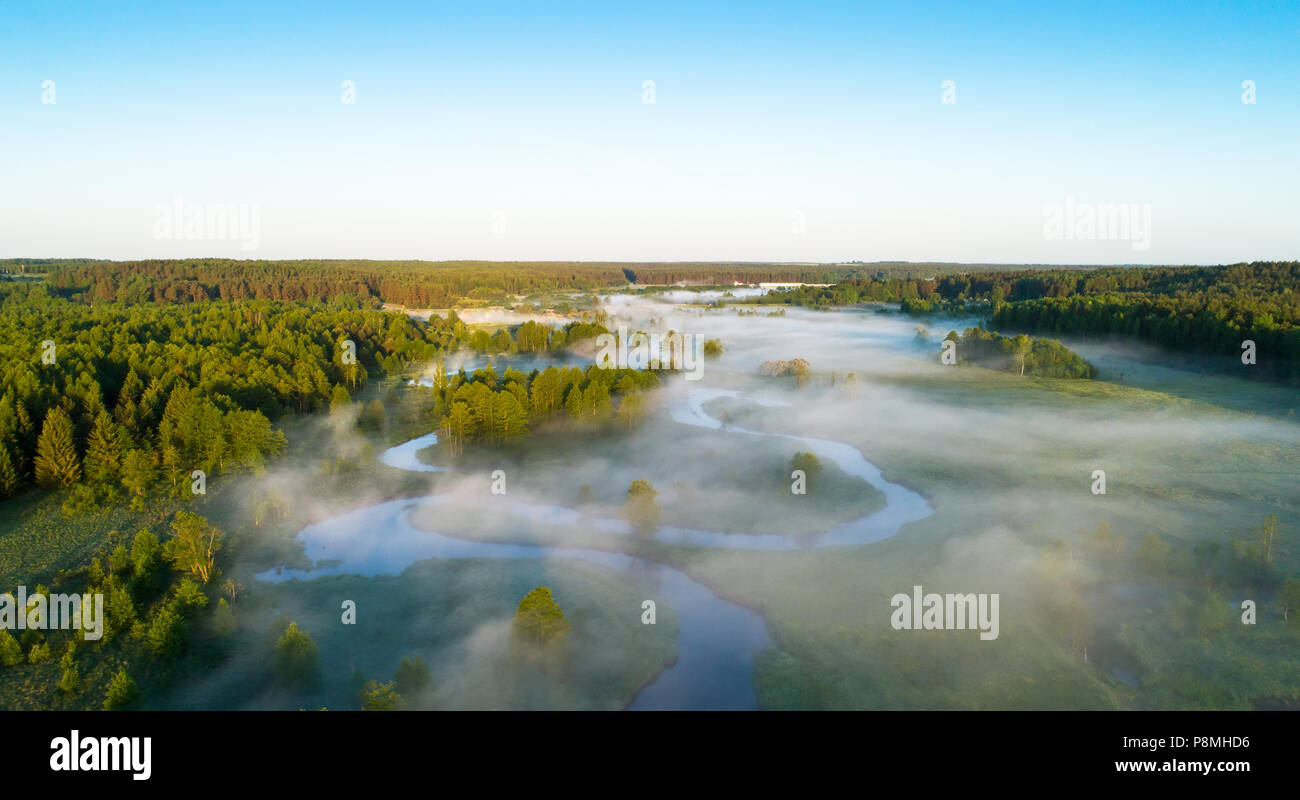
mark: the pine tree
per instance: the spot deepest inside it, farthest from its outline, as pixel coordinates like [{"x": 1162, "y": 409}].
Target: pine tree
[
  {"x": 9, "y": 434},
  {"x": 121, "y": 692},
  {"x": 104, "y": 449},
  {"x": 539, "y": 620},
  {"x": 175, "y": 428},
  {"x": 251, "y": 437},
  {"x": 297, "y": 658},
  {"x": 8, "y": 473},
  {"x": 57, "y": 465},
  {"x": 23, "y": 430},
  {"x": 509, "y": 420},
  {"x": 11, "y": 653},
  {"x": 641, "y": 510},
  {"x": 139, "y": 472},
  {"x": 70, "y": 681}
]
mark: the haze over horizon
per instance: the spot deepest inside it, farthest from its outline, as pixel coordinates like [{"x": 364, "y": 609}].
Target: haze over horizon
[{"x": 859, "y": 262}]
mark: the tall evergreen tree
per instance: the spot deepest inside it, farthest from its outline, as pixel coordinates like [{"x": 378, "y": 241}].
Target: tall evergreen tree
[
  {"x": 57, "y": 464},
  {"x": 105, "y": 447},
  {"x": 509, "y": 420},
  {"x": 139, "y": 473},
  {"x": 8, "y": 474},
  {"x": 539, "y": 619}
]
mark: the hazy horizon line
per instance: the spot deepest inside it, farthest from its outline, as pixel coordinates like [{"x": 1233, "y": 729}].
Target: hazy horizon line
[{"x": 719, "y": 262}]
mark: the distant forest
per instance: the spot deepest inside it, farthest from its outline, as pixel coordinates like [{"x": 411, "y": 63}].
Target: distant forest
[
  {"x": 1206, "y": 312},
  {"x": 415, "y": 284},
  {"x": 1202, "y": 313}
]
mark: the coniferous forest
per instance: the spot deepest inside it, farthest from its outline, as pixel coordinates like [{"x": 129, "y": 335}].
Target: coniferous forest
[
  {"x": 106, "y": 397},
  {"x": 1206, "y": 312}
]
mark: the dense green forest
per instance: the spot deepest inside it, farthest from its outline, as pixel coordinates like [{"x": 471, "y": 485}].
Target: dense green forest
[
  {"x": 416, "y": 284},
  {"x": 114, "y": 399},
  {"x": 117, "y": 397},
  {"x": 1205, "y": 312},
  {"x": 494, "y": 409}
]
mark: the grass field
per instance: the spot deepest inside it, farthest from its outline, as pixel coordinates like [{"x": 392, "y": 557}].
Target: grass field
[
  {"x": 1006, "y": 463},
  {"x": 455, "y": 615}
]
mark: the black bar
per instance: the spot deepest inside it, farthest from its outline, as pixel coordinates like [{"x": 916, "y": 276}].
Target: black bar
[{"x": 306, "y": 749}]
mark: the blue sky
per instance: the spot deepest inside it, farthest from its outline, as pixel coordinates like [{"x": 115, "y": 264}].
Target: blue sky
[{"x": 778, "y": 131}]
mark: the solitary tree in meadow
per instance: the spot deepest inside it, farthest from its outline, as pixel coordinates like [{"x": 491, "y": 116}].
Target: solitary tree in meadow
[
  {"x": 809, "y": 463},
  {"x": 1022, "y": 347},
  {"x": 538, "y": 619},
  {"x": 641, "y": 510},
  {"x": 296, "y": 655},
  {"x": 121, "y": 692}
]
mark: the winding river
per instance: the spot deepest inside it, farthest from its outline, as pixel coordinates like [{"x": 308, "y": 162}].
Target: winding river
[{"x": 717, "y": 640}]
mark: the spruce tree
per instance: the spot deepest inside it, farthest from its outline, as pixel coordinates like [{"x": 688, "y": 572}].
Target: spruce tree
[
  {"x": 57, "y": 465},
  {"x": 8, "y": 473},
  {"x": 121, "y": 692},
  {"x": 539, "y": 620},
  {"x": 104, "y": 449}
]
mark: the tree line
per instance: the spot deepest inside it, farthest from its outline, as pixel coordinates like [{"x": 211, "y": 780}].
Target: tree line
[
  {"x": 1205, "y": 312},
  {"x": 415, "y": 284}
]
